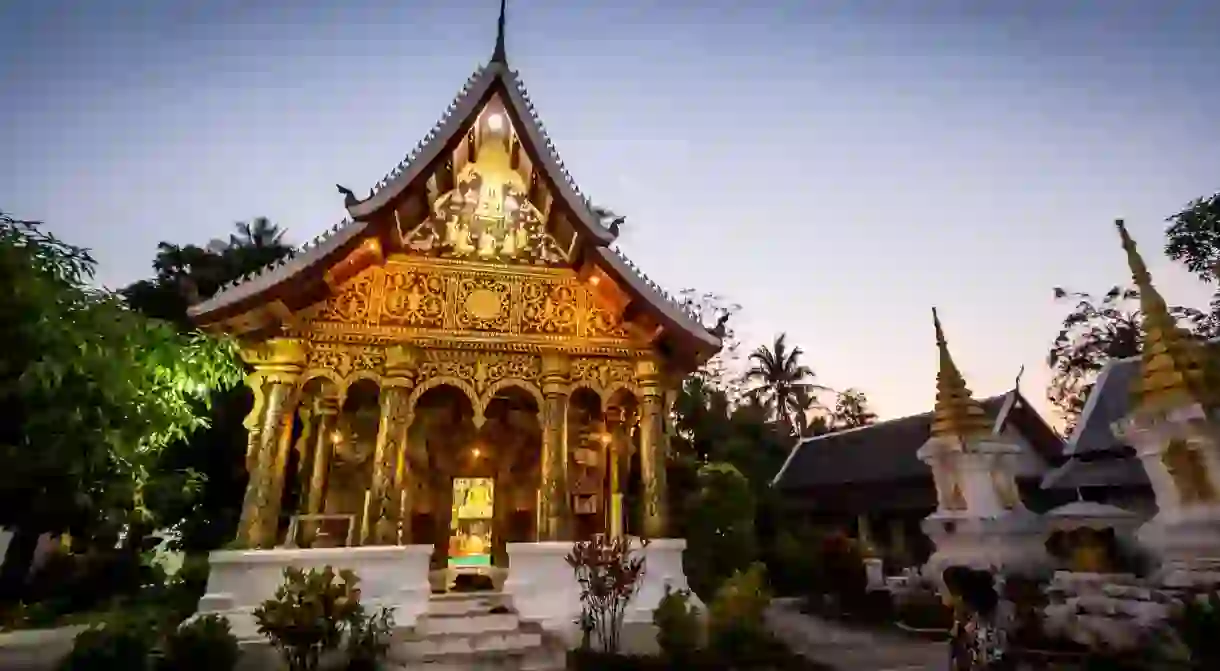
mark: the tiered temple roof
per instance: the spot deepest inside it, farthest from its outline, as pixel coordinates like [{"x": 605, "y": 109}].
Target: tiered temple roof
[{"x": 407, "y": 195}]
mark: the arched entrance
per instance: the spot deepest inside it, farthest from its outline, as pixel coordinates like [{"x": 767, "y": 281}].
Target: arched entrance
[{"x": 475, "y": 476}]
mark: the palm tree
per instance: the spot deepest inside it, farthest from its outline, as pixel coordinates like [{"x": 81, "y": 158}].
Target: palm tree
[
  {"x": 257, "y": 234},
  {"x": 782, "y": 381}
]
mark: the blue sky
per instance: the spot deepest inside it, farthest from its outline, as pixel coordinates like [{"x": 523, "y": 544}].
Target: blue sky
[{"x": 835, "y": 167}]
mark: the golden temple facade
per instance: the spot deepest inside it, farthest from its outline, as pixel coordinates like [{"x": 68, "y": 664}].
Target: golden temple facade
[{"x": 467, "y": 361}]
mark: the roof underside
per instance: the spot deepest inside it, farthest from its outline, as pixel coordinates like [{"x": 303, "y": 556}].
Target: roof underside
[{"x": 409, "y": 193}]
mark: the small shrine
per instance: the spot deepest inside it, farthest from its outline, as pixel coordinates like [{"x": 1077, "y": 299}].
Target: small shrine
[{"x": 980, "y": 520}]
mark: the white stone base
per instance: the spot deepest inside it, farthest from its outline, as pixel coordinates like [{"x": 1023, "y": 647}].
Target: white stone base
[
  {"x": 1014, "y": 543},
  {"x": 662, "y": 566},
  {"x": 542, "y": 585},
  {"x": 544, "y": 589},
  {"x": 1187, "y": 542},
  {"x": 392, "y": 576}
]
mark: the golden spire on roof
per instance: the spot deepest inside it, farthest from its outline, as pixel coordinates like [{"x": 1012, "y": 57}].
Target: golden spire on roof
[
  {"x": 1174, "y": 368},
  {"x": 956, "y": 414}
]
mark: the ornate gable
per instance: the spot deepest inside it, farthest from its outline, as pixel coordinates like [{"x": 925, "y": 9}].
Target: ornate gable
[{"x": 485, "y": 186}]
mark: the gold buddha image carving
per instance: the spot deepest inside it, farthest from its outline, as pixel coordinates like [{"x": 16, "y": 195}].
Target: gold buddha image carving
[{"x": 488, "y": 216}]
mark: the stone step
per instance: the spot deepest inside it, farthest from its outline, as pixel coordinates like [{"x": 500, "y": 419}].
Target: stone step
[
  {"x": 443, "y": 644},
  {"x": 470, "y": 624},
  {"x": 466, "y": 604},
  {"x": 539, "y": 658}
]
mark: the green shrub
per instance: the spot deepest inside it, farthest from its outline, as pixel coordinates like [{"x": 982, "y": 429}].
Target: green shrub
[
  {"x": 1194, "y": 631},
  {"x": 121, "y": 643},
  {"x": 736, "y": 629},
  {"x": 839, "y": 573},
  {"x": 309, "y": 614},
  {"x": 923, "y": 609},
  {"x": 720, "y": 537},
  {"x": 678, "y": 625},
  {"x": 369, "y": 639},
  {"x": 204, "y": 644}
]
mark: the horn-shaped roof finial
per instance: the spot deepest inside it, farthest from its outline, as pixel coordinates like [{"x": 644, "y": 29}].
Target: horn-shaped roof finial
[{"x": 500, "y": 55}]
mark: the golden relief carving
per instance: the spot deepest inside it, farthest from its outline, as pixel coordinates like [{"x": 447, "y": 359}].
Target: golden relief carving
[
  {"x": 351, "y": 305},
  {"x": 603, "y": 374},
  {"x": 601, "y": 323},
  {"x": 482, "y": 303},
  {"x": 439, "y": 298},
  {"x": 480, "y": 369},
  {"x": 488, "y": 217},
  {"x": 339, "y": 361},
  {"x": 549, "y": 307},
  {"x": 1189, "y": 473},
  {"x": 413, "y": 299}
]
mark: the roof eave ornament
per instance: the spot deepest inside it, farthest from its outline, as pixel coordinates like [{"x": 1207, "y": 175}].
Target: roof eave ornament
[{"x": 500, "y": 55}]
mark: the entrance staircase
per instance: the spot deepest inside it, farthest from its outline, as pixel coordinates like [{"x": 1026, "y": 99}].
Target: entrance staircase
[{"x": 476, "y": 631}]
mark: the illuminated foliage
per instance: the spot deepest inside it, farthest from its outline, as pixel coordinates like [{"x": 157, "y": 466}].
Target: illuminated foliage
[{"x": 92, "y": 391}]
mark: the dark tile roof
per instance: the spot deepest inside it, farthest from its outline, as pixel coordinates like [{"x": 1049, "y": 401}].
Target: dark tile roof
[
  {"x": 883, "y": 452},
  {"x": 1097, "y": 458}
]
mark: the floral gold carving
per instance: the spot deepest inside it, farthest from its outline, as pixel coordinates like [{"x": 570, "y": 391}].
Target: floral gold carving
[
  {"x": 549, "y": 307},
  {"x": 438, "y": 297},
  {"x": 479, "y": 369},
  {"x": 483, "y": 302},
  {"x": 344, "y": 360},
  {"x": 414, "y": 299},
  {"x": 603, "y": 373},
  {"x": 351, "y": 304}
]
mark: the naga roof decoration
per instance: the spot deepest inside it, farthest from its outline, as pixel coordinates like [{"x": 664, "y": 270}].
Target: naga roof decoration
[{"x": 491, "y": 84}]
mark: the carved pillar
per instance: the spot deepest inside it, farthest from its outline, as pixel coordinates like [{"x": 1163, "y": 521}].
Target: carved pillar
[
  {"x": 383, "y": 510},
  {"x": 327, "y": 413},
  {"x": 247, "y": 528},
  {"x": 385, "y": 498},
  {"x": 553, "y": 501},
  {"x": 277, "y": 363},
  {"x": 653, "y": 451}
]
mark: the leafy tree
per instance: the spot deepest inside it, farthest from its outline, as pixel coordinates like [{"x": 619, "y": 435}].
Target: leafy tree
[
  {"x": 852, "y": 410},
  {"x": 1193, "y": 237},
  {"x": 721, "y": 536},
  {"x": 93, "y": 392},
  {"x": 211, "y": 461},
  {"x": 1095, "y": 332},
  {"x": 781, "y": 380}
]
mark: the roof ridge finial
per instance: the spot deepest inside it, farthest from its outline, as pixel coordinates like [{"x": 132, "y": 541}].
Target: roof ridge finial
[
  {"x": 500, "y": 55},
  {"x": 956, "y": 414},
  {"x": 1173, "y": 367}
]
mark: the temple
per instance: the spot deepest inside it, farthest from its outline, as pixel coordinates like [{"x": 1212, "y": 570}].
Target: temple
[{"x": 464, "y": 367}]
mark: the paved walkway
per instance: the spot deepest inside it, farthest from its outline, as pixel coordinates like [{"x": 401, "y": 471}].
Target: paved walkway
[{"x": 850, "y": 649}]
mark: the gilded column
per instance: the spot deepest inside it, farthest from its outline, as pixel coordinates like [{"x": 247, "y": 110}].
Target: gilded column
[
  {"x": 247, "y": 528},
  {"x": 384, "y": 496},
  {"x": 327, "y": 413},
  {"x": 652, "y": 448},
  {"x": 277, "y": 363},
  {"x": 553, "y": 500}
]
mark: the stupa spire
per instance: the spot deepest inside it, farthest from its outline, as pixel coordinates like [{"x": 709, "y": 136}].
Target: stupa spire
[
  {"x": 500, "y": 55},
  {"x": 956, "y": 413},
  {"x": 1174, "y": 369}
]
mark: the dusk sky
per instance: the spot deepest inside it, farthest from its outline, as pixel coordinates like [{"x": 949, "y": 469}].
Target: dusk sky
[{"x": 835, "y": 167}]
